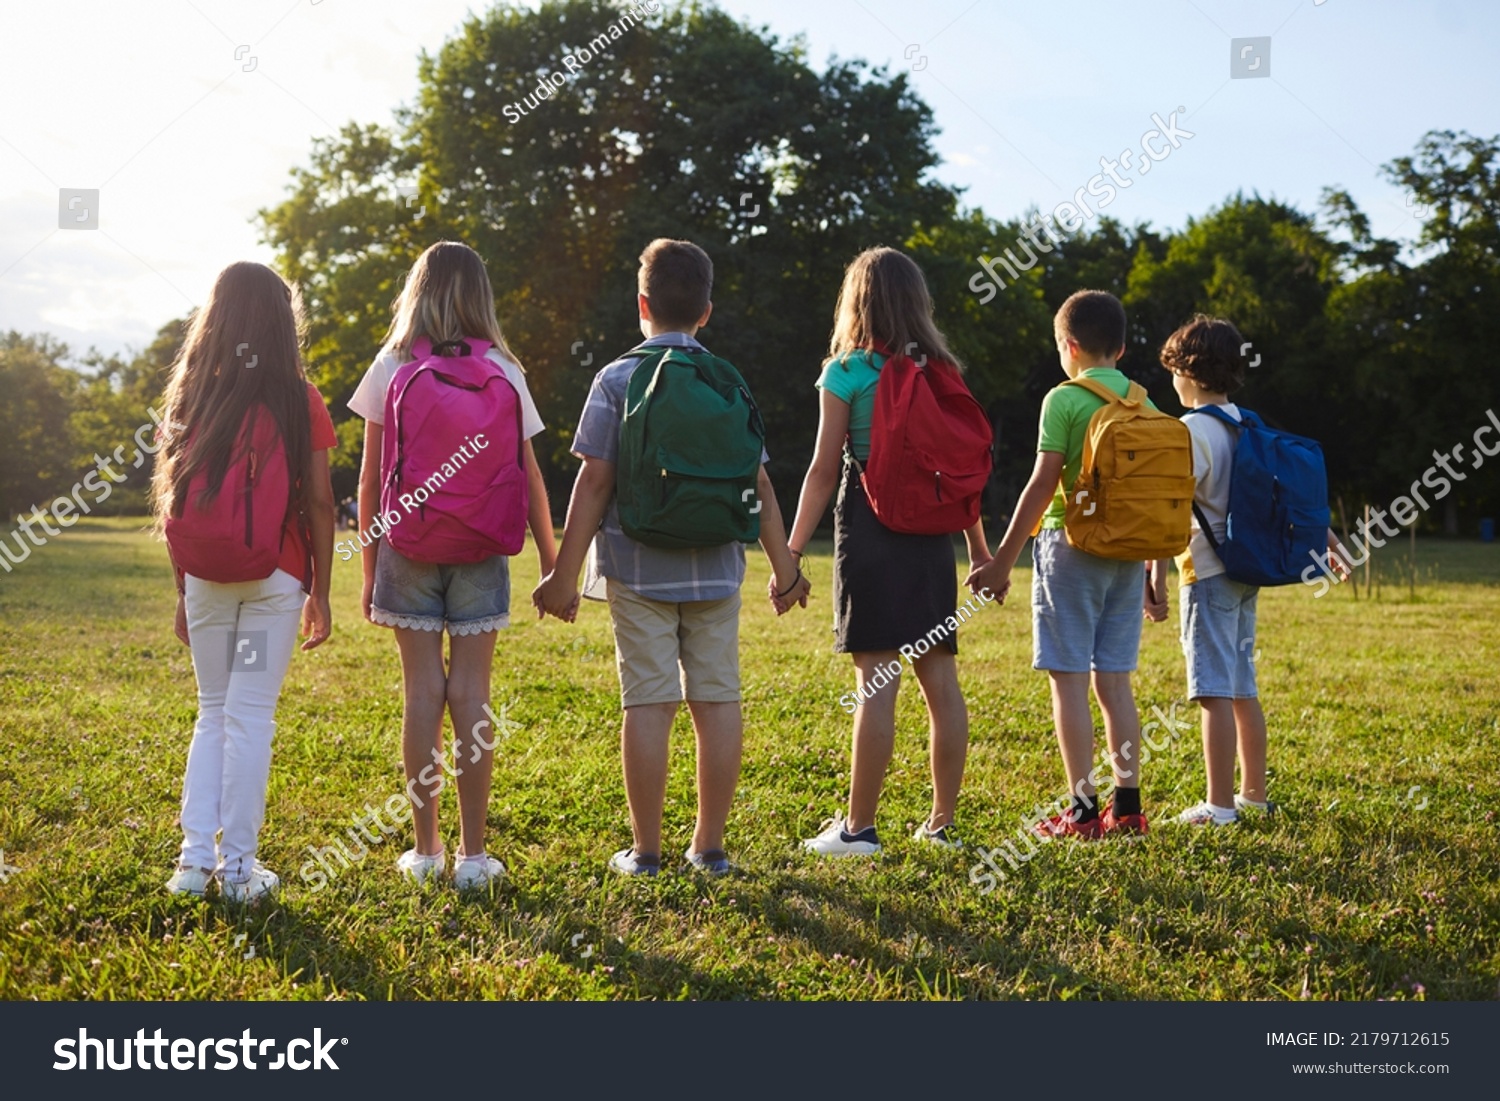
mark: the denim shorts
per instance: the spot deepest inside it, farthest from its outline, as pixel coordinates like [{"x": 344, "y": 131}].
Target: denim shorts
[
  {"x": 1218, "y": 637},
  {"x": 1085, "y": 610},
  {"x": 421, "y": 596}
]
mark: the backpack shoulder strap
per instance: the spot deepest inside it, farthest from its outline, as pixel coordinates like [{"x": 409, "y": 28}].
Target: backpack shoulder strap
[
  {"x": 1098, "y": 389},
  {"x": 1218, "y": 414}
]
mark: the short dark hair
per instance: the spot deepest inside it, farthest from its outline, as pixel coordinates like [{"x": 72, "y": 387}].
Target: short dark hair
[
  {"x": 1207, "y": 350},
  {"x": 677, "y": 278},
  {"x": 1094, "y": 320}
]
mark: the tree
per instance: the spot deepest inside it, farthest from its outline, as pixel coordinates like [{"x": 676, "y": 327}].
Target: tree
[
  {"x": 36, "y": 443},
  {"x": 690, "y": 126}
]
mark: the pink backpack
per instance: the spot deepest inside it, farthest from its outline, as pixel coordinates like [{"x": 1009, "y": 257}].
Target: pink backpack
[
  {"x": 237, "y": 536},
  {"x": 453, "y": 477}
]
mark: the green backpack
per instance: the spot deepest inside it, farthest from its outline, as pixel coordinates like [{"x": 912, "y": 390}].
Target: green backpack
[{"x": 690, "y": 447}]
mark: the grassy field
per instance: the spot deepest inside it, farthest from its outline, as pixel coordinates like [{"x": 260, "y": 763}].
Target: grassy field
[{"x": 1379, "y": 880}]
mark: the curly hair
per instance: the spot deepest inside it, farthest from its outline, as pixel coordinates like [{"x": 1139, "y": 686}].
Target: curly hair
[{"x": 1207, "y": 350}]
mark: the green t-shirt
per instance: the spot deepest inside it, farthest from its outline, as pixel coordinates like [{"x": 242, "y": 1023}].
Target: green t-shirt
[
  {"x": 852, "y": 379},
  {"x": 1066, "y": 412}
]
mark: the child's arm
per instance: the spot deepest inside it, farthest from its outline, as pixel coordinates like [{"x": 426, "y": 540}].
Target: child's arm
[
  {"x": 539, "y": 513},
  {"x": 1155, "y": 599},
  {"x": 369, "y": 501},
  {"x": 994, "y": 575},
  {"x": 788, "y": 586},
  {"x": 822, "y": 478},
  {"x": 558, "y": 592},
  {"x": 317, "y": 619}
]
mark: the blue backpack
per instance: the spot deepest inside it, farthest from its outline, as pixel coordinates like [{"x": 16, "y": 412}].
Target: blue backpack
[{"x": 1278, "y": 503}]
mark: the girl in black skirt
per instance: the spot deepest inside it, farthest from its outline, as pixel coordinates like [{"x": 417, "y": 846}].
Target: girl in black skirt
[{"x": 895, "y": 594}]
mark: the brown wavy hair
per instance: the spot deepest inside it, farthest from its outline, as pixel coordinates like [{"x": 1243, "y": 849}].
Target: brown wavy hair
[
  {"x": 242, "y": 352},
  {"x": 1207, "y": 350},
  {"x": 884, "y": 305}
]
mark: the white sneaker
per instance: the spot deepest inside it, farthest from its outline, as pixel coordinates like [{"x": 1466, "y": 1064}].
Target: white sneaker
[
  {"x": 834, "y": 840},
  {"x": 262, "y": 884},
  {"x": 418, "y": 868},
  {"x": 943, "y": 836},
  {"x": 190, "y": 881},
  {"x": 1206, "y": 814},
  {"x": 474, "y": 872}
]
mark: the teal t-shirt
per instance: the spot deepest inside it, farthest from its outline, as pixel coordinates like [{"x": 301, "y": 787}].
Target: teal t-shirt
[
  {"x": 1066, "y": 412},
  {"x": 852, "y": 378}
]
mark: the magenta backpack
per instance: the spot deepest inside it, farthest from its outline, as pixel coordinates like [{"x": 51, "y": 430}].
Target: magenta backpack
[
  {"x": 453, "y": 479},
  {"x": 237, "y": 536}
]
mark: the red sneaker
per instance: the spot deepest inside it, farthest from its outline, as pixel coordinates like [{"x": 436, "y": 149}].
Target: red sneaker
[
  {"x": 1060, "y": 825},
  {"x": 1122, "y": 823}
]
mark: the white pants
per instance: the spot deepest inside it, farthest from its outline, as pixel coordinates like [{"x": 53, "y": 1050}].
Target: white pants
[{"x": 242, "y": 637}]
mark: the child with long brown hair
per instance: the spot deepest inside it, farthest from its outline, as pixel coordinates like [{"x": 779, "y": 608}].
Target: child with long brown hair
[
  {"x": 890, "y": 589},
  {"x": 239, "y": 406},
  {"x": 446, "y": 300}
]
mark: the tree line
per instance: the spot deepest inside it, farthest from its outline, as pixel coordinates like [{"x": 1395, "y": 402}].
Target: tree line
[{"x": 701, "y": 127}]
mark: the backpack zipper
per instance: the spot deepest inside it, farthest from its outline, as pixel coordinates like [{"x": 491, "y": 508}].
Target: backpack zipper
[{"x": 250, "y": 503}]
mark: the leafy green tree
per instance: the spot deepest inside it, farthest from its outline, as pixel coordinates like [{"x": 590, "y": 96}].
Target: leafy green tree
[
  {"x": 688, "y": 125},
  {"x": 36, "y": 442}
]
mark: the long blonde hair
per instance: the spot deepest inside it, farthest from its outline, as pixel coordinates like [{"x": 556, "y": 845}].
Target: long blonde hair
[
  {"x": 446, "y": 296},
  {"x": 241, "y": 351},
  {"x": 884, "y": 305}
]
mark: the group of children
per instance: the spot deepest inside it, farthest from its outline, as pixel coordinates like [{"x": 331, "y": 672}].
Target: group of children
[{"x": 675, "y": 609}]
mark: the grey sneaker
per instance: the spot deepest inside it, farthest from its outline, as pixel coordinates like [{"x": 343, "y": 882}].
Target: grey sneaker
[
  {"x": 713, "y": 862},
  {"x": 630, "y": 862}
]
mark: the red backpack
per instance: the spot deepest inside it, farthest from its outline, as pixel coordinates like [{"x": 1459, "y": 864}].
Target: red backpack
[
  {"x": 452, "y": 456},
  {"x": 237, "y": 536},
  {"x": 929, "y": 449}
]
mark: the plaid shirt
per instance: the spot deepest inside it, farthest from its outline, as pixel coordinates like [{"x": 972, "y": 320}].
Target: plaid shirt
[{"x": 672, "y": 576}]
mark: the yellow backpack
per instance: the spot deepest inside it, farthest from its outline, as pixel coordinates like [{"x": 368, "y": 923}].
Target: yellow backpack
[{"x": 1133, "y": 499}]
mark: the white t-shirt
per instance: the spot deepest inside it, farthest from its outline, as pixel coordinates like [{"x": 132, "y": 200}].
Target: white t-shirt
[
  {"x": 368, "y": 400},
  {"x": 1213, "y": 462}
]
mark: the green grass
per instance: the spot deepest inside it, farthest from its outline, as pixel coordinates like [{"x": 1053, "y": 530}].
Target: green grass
[{"x": 1353, "y": 893}]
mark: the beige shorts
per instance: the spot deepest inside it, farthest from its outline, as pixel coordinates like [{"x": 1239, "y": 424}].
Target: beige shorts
[{"x": 669, "y": 652}]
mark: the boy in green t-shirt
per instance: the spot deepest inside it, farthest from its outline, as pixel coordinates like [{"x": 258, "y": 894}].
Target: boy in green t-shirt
[{"x": 1086, "y": 610}]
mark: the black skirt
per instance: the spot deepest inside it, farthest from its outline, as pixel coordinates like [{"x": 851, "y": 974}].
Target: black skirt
[{"x": 889, "y": 588}]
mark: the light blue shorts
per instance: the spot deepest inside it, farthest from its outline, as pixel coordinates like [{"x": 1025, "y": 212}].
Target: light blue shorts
[
  {"x": 420, "y": 596},
  {"x": 1085, "y": 610},
  {"x": 1218, "y": 637}
]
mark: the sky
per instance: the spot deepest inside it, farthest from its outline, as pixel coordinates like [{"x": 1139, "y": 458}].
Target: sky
[{"x": 187, "y": 116}]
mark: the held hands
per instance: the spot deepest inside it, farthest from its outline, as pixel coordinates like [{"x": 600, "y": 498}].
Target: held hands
[
  {"x": 784, "y": 593},
  {"x": 1154, "y": 603},
  {"x": 317, "y": 621},
  {"x": 1338, "y": 558},
  {"x": 989, "y": 575},
  {"x": 555, "y": 597}
]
